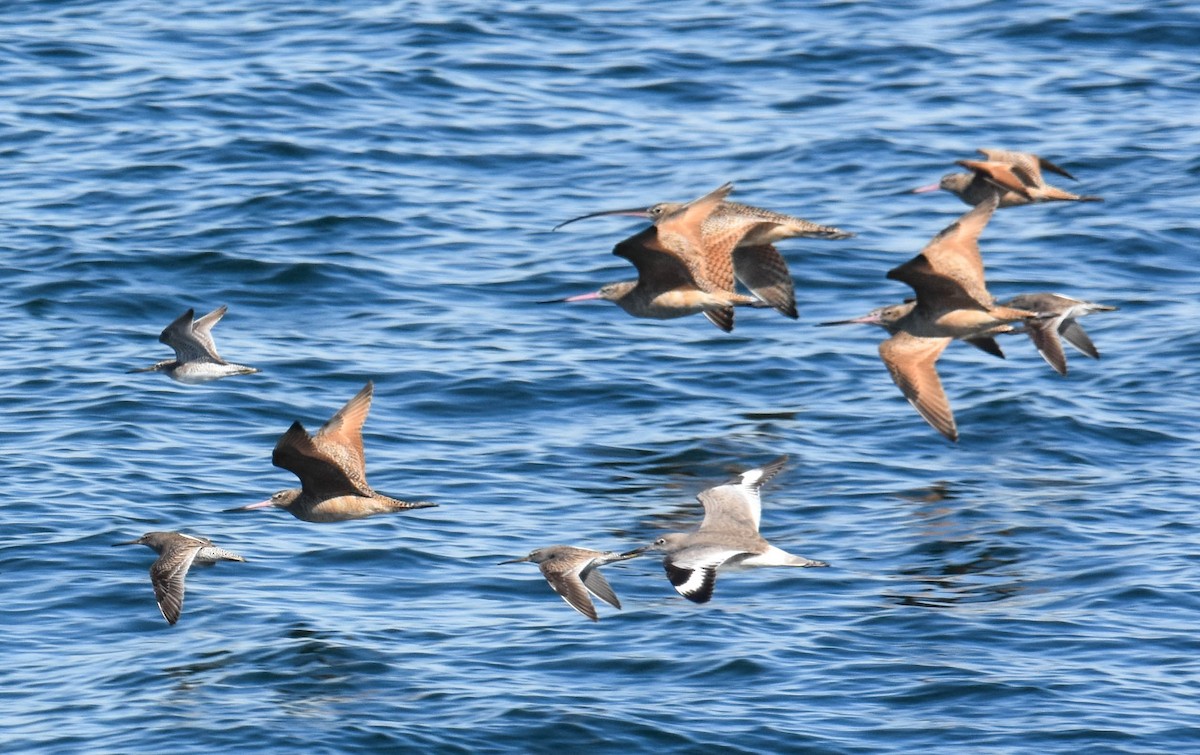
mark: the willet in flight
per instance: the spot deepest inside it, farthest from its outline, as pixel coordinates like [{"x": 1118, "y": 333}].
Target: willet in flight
[
  {"x": 575, "y": 572},
  {"x": 1017, "y": 176},
  {"x": 196, "y": 358},
  {"x": 678, "y": 273},
  {"x": 1045, "y": 333},
  {"x": 752, "y": 231},
  {"x": 728, "y": 537},
  {"x": 176, "y": 554},
  {"x": 332, "y": 470},
  {"x": 952, "y": 303}
]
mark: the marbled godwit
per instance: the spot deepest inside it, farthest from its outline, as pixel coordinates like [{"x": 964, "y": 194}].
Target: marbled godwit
[
  {"x": 332, "y": 470},
  {"x": 678, "y": 274},
  {"x": 196, "y": 359},
  {"x": 952, "y": 303},
  {"x": 574, "y": 572},
  {"x": 176, "y": 554},
  {"x": 728, "y": 536},
  {"x": 752, "y": 231},
  {"x": 1045, "y": 333},
  {"x": 1017, "y": 176}
]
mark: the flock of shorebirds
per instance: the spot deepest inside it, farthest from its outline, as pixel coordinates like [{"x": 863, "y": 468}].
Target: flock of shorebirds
[{"x": 689, "y": 261}]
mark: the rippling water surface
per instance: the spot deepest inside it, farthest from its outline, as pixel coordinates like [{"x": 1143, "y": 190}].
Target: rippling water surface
[{"x": 370, "y": 187}]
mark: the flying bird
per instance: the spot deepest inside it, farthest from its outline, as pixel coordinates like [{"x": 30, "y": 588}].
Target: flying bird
[
  {"x": 952, "y": 303},
  {"x": 1016, "y": 176},
  {"x": 196, "y": 358},
  {"x": 176, "y": 554},
  {"x": 728, "y": 537},
  {"x": 332, "y": 470},
  {"x": 574, "y": 572},
  {"x": 1045, "y": 333}
]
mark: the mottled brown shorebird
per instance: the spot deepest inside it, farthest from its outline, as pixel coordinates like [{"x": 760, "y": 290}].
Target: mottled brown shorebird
[
  {"x": 728, "y": 537},
  {"x": 753, "y": 232},
  {"x": 1017, "y": 176},
  {"x": 196, "y": 358},
  {"x": 952, "y": 303},
  {"x": 332, "y": 470},
  {"x": 574, "y": 572},
  {"x": 679, "y": 273},
  {"x": 176, "y": 554},
  {"x": 1045, "y": 333}
]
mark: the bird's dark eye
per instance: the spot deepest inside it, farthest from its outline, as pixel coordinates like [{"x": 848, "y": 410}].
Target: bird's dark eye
[
  {"x": 655, "y": 210},
  {"x": 661, "y": 541}
]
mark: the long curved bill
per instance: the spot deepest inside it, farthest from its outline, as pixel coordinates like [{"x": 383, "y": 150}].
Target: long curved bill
[
  {"x": 637, "y": 212},
  {"x": 577, "y": 297},
  {"x": 926, "y": 189},
  {"x": 870, "y": 319}
]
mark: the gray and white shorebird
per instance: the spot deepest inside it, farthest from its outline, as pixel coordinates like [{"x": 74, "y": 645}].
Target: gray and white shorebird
[
  {"x": 1045, "y": 333},
  {"x": 176, "y": 554},
  {"x": 728, "y": 537},
  {"x": 738, "y": 242},
  {"x": 196, "y": 358},
  {"x": 1016, "y": 176},
  {"x": 952, "y": 303},
  {"x": 332, "y": 470},
  {"x": 575, "y": 572}
]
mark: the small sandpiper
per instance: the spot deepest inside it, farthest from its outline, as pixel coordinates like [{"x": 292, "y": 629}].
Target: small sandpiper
[
  {"x": 1045, "y": 333},
  {"x": 332, "y": 470},
  {"x": 176, "y": 554},
  {"x": 574, "y": 572},
  {"x": 196, "y": 358},
  {"x": 728, "y": 536}
]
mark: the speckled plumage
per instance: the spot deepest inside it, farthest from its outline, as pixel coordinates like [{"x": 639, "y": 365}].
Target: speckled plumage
[
  {"x": 196, "y": 358},
  {"x": 574, "y": 572},
  {"x": 176, "y": 554},
  {"x": 678, "y": 273}
]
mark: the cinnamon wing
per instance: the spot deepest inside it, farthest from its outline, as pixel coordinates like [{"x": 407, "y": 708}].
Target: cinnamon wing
[
  {"x": 341, "y": 437},
  {"x": 1002, "y": 175},
  {"x": 708, "y": 256},
  {"x": 763, "y": 270},
  {"x": 950, "y": 265},
  {"x": 319, "y": 473},
  {"x": 658, "y": 267},
  {"x": 912, "y": 362}
]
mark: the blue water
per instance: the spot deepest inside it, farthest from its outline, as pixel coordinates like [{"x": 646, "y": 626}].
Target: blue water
[{"x": 370, "y": 187}]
